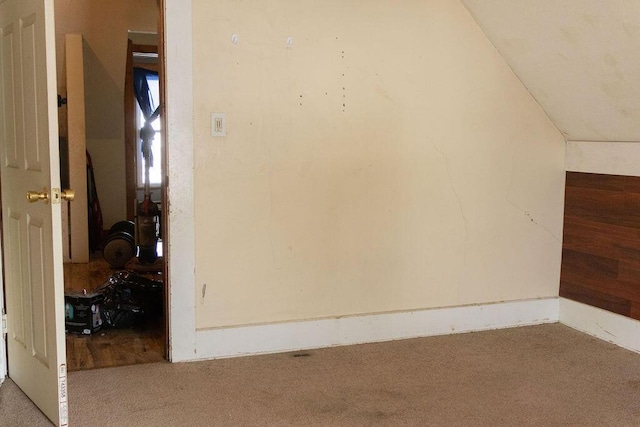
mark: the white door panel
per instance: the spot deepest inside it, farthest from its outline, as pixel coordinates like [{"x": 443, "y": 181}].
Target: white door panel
[{"x": 32, "y": 241}]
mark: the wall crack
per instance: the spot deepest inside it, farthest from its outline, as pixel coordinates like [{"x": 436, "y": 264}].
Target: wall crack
[
  {"x": 533, "y": 220},
  {"x": 464, "y": 218}
]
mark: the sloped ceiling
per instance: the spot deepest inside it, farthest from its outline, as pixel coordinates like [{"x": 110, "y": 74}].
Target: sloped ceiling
[{"x": 579, "y": 58}]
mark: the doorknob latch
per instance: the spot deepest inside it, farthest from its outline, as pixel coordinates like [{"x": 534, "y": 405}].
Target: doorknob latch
[
  {"x": 57, "y": 195},
  {"x": 36, "y": 196},
  {"x": 68, "y": 195}
]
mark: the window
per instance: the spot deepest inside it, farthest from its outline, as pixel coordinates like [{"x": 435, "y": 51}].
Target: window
[{"x": 155, "y": 171}]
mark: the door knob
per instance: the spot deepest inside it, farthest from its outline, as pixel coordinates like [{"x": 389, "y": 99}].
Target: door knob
[
  {"x": 68, "y": 195},
  {"x": 34, "y": 196}
]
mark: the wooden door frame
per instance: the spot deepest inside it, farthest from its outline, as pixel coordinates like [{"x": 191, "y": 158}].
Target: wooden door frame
[
  {"x": 179, "y": 226},
  {"x": 164, "y": 195}
]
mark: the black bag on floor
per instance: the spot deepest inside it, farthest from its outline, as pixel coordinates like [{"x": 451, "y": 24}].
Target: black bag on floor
[{"x": 130, "y": 300}]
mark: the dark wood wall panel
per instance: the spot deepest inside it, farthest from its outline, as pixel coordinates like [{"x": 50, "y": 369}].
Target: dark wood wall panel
[{"x": 601, "y": 242}]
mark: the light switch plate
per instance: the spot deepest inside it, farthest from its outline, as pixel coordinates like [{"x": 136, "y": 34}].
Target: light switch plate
[{"x": 218, "y": 124}]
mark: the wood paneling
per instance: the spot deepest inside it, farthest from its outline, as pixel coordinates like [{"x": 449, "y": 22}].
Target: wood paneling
[{"x": 601, "y": 242}]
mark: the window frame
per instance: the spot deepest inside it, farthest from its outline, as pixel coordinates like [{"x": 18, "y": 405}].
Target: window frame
[
  {"x": 137, "y": 56},
  {"x": 157, "y": 144}
]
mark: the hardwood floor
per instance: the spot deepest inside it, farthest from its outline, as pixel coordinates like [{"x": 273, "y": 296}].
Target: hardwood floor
[
  {"x": 114, "y": 347},
  {"x": 109, "y": 347}
]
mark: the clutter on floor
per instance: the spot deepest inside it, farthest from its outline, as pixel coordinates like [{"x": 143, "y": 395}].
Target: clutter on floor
[
  {"x": 82, "y": 312},
  {"x": 119, "y": 247},
  {"x": 130, "y": 300},
  {"x": 125, "y": 300}
]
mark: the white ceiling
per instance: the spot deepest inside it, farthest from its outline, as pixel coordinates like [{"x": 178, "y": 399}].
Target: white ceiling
[{"x": 579, "y": 58}]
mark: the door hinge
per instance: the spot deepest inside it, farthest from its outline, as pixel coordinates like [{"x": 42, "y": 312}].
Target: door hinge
[{"x": 4, "y": 324}]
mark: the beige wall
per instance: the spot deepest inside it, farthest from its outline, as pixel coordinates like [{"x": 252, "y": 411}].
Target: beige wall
[
  {"x": 104, "y": 26},
  {"x": 387, "y": 160}
]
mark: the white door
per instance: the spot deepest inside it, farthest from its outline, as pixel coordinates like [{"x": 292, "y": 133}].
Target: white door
[{"x": 31, "y": 232}]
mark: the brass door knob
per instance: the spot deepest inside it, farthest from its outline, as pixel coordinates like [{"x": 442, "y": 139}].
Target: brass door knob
[
  {"x": 68, "y": 195},
  {"x": 35, "y": 196}
]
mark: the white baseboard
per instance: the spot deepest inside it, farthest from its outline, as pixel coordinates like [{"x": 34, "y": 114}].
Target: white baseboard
[
  {"x": 607, "y": 326},
  {"x": 292, "y": 336}
]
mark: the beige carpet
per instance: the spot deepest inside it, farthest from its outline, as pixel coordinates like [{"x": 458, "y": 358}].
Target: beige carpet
[{"x": 542, "y": 375}]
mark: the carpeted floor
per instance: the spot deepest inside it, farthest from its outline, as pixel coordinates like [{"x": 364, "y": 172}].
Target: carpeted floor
[{"x": 547, "y": 375}]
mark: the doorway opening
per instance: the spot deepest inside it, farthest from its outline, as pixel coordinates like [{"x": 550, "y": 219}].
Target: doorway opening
[{"x": 131, "y": 294}]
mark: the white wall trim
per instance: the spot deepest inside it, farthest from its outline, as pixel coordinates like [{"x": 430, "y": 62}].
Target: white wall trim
[
  {"x": 3, "y": 343},
  {"x": 281, "y": 337},
  {"x": 602, "y": 324},
  {"x": 180, "y": 165},
  {"x": 612, "y": 158}
]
